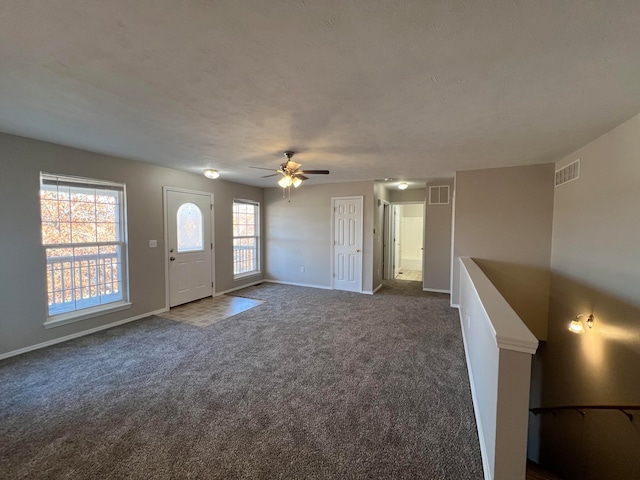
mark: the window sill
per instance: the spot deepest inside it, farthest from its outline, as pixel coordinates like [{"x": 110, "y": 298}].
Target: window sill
[
  {"x": 71, "y": 317},
  {"x": 242, "y": 276}
]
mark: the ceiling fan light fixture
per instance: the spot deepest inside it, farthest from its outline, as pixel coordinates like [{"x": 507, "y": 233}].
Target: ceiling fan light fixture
[
  {"x": 403, "y": 186},
  {"x": 285, "y": 181},
  {"x": 292, "y": 173},
  {"x": 211, "y": 173}
]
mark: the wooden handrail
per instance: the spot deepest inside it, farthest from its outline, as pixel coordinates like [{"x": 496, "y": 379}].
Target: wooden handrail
[{"x": 581, "y": 409}]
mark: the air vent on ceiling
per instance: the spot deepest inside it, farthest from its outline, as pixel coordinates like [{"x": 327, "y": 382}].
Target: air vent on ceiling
[
  {"x": 568, "y": 173},
  {"x": 439, "y": 195}
]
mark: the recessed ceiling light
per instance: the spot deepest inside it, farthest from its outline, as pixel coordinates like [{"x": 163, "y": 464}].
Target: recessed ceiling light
[
  {"x": 403, "y": 186},
  {"x": 210, "y": 173}
]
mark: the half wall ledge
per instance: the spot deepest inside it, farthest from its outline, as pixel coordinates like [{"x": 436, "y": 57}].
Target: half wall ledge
[{"x": 498, "y": 348}]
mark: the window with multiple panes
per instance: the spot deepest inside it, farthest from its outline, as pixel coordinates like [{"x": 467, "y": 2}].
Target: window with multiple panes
[
  {"x": 85, "y": 243},
  {"x": 246, "y": 238}
]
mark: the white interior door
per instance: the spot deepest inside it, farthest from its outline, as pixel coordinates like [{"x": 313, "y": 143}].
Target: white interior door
[
  {"x": 347, "y": 244},
  {"x": 189, "y": 245}
]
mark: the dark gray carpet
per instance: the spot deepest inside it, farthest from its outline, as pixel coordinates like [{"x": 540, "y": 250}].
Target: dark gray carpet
[{"x": 310, "y": 384}]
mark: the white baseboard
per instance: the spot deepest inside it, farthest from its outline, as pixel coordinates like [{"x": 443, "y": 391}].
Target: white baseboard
[
  {"x": 66, "y": 338},
  {"x": 240, "y": 287},
  {"x": 476, "y": 410},
  {"x": 324, "y": 287},
  {"x": 294, "y": 284},
  {"x": 435, "y": 290},
  {"x": 455, "y": 305}
]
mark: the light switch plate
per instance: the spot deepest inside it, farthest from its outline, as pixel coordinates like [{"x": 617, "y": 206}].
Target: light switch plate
[{"x": 153, "y": 243}]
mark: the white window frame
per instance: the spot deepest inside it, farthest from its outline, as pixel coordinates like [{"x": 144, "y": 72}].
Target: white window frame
[
  {"x": 79, "y": 312},
  {"x": 256, "y": 238}
]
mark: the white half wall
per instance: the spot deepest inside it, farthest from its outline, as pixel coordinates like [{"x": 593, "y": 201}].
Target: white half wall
[{"x": 498, "y": 347}]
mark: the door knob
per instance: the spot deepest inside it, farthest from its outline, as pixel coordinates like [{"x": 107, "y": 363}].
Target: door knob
[
  {"x": 357, "y": 249},
  {"x": 172, "y": 258}
]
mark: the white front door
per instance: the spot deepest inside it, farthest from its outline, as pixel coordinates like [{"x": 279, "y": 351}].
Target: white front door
[
  {"x": 189, "y": 245},
  {"x": 347, "y": 243}
]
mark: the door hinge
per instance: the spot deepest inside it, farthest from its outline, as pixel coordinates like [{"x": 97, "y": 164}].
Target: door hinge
[
  {"x": 211, "y": 206},
  {"x": 211, "y": 246},
  {"x": 211, "y": 284}
]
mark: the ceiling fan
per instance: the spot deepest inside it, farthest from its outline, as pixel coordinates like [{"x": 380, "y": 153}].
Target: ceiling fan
[{"x": 291, "y": 173}]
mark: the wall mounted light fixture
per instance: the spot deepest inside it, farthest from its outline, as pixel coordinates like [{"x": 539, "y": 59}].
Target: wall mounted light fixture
[
  {"x": 576, "y": 324},
  {"x": 211, "y": 173}
]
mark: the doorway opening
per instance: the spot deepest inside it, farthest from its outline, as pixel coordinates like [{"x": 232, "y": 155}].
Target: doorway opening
[{"x": 403, "y": 241}]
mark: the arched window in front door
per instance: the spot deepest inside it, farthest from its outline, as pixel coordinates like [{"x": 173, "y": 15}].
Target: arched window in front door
[{"x": 190, "y": 234}]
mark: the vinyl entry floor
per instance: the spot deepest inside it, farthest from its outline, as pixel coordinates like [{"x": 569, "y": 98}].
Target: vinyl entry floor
[
  {"x": 207, "y": 311},
  {"x": 412, "y": 275}
]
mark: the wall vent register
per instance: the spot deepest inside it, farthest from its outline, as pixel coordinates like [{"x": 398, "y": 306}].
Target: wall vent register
[
  {"x": 569, "y": 173},
  {"x": 439, "y": 195}
]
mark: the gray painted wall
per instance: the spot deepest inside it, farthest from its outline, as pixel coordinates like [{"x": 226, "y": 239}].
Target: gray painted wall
[
  {"x": 503, "y": 219},
  {"x": 437, "y": 246},
  {"x": 299, "y": 233},
  {"x": 595, "y": 264},
  {"x": 408, "y": 195},
  {"x": 22, "y": 265}
]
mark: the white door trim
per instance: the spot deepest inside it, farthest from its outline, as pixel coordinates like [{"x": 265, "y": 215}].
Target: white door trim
[
  {"x": 351, "y": 197},
  {"x": 387, "y": 263},
  {"x": 166, "y": 189}
]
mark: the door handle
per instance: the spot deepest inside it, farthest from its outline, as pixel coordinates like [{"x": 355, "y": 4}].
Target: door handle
[{"x": 172, "y": 258}]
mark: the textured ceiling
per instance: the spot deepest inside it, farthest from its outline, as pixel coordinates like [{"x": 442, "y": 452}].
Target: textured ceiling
[{"x": 368, "y": 89}]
